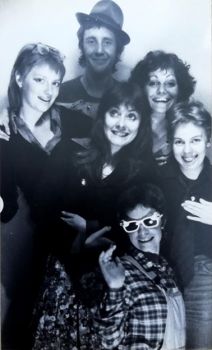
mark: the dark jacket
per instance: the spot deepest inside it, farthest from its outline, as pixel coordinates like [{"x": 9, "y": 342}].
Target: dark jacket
[
  {"x": 23, "y": 163},
  {"x": 185, "y": 238},
  {"x": 71, "y": 187}
]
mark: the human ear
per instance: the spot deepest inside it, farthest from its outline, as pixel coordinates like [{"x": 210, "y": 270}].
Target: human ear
[{"x": 18, "y": 79}]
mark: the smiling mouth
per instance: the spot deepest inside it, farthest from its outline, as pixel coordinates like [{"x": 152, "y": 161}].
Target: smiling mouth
[
  {"x": 146, "y": 241},
  {"x": 189, "y": 159},
  {"x": 161, "y": 100},
  {"x": 120, "y": 133},
  {"x": 44, "y": 100}
]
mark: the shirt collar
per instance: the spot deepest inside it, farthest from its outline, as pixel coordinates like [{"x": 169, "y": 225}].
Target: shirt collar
[{"x": 19, "y": 126}]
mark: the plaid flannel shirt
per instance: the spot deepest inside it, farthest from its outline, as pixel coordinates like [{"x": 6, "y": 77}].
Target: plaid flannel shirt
[{"x": 134, "y": 317}]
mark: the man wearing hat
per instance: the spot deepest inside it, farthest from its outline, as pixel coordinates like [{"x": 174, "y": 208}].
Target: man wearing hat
[{"x": 101, "y": 42}]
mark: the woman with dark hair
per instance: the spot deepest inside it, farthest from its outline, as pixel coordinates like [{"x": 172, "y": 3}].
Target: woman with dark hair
[
  {"x": 36, "y": 127},
  {"x": 165, "y": 79},
  {"x": 84, "y": 196},
  {"x": 187, "y": 184},
  {"x": 142, "y": 307}
]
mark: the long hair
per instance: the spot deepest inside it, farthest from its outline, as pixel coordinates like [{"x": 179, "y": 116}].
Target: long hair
[
  {"x": 32, "y": 55},
  {"x": 139, "y": 151},
  {"x": 161, "y": 60}
]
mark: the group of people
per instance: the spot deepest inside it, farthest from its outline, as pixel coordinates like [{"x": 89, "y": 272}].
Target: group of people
[{"x": 118, "y": 185}]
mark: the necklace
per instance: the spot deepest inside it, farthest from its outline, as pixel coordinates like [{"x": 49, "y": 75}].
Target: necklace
[{"x": 107, "y": 170}]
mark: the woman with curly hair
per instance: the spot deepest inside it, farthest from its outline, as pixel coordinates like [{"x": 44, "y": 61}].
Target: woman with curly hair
[{"x": 165, "y": 79}]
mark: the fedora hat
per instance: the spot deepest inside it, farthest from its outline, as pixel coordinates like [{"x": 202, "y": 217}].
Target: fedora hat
[{"x": 106, "y": 13}]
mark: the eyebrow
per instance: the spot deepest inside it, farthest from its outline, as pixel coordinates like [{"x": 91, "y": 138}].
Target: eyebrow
[
  {"x": 38, "y": 75},
  {"x": 178, "y": 137},
  {"x": 90, "y": 37},
  {"x": 94, "y": 37},
  {"x": 132, "y": 109},
  {"x": 167, "y": 76}
]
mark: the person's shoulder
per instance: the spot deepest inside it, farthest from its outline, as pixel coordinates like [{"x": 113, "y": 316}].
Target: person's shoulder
[
  {"x": 168, "y": 170},
  {"x": 207, "y": 165},
  {"x": 70, "y": 90},
  {"x": 75, "y": 123},
  {"x": 71, "y": 83}
]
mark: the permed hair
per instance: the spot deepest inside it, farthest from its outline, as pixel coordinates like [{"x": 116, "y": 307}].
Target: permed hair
[
  {"x": 147, "y": 194},
  {"x": 161, "y": 60}
]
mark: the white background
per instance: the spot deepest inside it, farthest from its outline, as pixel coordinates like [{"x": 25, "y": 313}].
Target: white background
[{"x": 179, "y": 26}]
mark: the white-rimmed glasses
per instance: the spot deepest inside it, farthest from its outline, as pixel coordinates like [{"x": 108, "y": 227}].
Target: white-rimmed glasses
[{"x": 148, "y": 222}]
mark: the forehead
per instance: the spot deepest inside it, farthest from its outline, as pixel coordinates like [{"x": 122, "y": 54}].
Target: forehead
[
  {"x": 99, "y": 32},
  {"x": 44, "y": 69},
  {"x": 162, "y": 73},
  {"x": 124, "y": 107},
  {"x": 139, "y": 212},
  {"x": 189, "y": 130}
]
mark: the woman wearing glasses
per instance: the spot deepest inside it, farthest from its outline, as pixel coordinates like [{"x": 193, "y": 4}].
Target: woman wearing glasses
[
  {"x": 36, "y": 127},
  {"x": 142, "y": 307}
]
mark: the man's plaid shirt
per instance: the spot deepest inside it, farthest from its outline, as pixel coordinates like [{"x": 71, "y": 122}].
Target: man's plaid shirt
[{"x": 134, "y": 317}]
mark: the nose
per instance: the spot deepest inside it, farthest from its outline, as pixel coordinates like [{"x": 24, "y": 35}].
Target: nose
[
  {"x": 121, "y": 121},
  {"x": 143, "y": 231},
  {"x": 99, "y": 48},
  {"x": 48, "y": 89},
  {"x": 161, "y": 88},
  {"x": 187, "y": 148}
]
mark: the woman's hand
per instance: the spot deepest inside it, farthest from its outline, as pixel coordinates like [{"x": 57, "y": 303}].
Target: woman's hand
[
  {"x": 112, "y": 270},
  {"x": 201, "y": 210},
  {"x": 74, "y": 220},
  {"x": 4, "y": 125}
]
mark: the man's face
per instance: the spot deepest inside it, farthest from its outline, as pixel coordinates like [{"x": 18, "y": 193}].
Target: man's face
[{"x": 100, "y": 49}]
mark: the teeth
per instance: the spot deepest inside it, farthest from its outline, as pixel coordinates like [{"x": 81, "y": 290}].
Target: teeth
[
  {"x": 164, "y": 101},
  {"x": 120, "y": 134},
  {"x": 188, "y": 160},
  {"x": 146, "y": 240}
]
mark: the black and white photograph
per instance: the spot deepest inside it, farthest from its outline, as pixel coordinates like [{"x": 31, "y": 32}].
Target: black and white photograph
[{"x": 106, "y": 174}]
